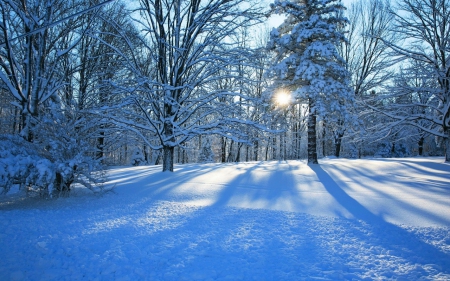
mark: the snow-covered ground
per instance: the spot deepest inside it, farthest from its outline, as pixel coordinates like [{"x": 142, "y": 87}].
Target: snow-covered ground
[{"x": 342, "y": 220}]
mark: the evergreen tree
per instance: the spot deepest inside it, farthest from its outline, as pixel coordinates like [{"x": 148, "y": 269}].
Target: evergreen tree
[
  {"x": 206, "y": 152},
  {"x": 307, "y": 60},
  {"x": 137, "y": 158}
]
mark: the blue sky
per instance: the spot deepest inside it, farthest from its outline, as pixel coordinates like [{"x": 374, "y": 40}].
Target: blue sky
[{"x": 275, "y": 21}]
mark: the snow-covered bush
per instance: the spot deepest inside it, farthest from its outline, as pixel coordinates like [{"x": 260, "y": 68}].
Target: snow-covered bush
[
  {"x": 206, "y": 154},
  {"x": 137, "y": 158},
  {"x": 401, "y": 150},
  {"x": 63, "y": 138},
  {"x": 21, "y": 164},
  {"x": 59, "y": 156},
  {"x": 388, "y": 149},
  {"x": 384, "y": 150}
]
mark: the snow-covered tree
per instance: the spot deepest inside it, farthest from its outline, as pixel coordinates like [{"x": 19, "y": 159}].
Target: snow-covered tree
[
  {"x": 307, "y": 60},
  {"x": 368, "y": 59},
  {"x": 58, "y": 157},
  {"x": 32, "y": 50},
  {"x": 137, "y": 158},
  {"x": 37, "y": 62},
  {"x": 206, "y": 154},
  {"x": 171, "y": 96},
  {"x": 410, "y": 93},
  {"x": 96, "y": 65},
  {"x": 424, "y": 27}
]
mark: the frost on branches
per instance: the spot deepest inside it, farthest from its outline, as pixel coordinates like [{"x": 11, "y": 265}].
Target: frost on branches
[
  {"x": 422, "y": 90},
  {"x": 187, "y": 52},
  {"x": 36, "y": 64},
  {"x": 307, "y": 60},
  {"x": 56, "y": 159}
]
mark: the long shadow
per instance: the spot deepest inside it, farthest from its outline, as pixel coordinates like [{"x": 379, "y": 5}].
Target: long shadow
[
  {"x": 408, "y": 245},
  {"x": 364, "y": 178},
  {"x": 230, "y": 188},
  {"x": 146, "y": 180},
  {"x": 437, "y": 190},
  {"x": 260, "y": 192},
  {"x": 423, "y": 162}
]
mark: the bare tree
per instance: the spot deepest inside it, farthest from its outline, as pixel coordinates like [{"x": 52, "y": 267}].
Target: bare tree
[
  {"x": 31, "y": 52},
  {"x": 186, "y": 44},
  {"x": 368, "y": 58},
  {"x": 424, "y": 26}
]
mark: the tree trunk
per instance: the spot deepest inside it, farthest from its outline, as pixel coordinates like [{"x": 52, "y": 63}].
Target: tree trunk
[
  {"x": 247, "y": 153},
  {"x": 324, "y": 134},
  {"x": 158, "y": 156},
  {"x": 295, "y": 140},
  {"x": 145, "y": 154},
  {"x": 168, "y": 158},
  {"x": 100, "y": 144},
  {"x": 446, "y": 141},
  {"x": 281, "y": 144},
  {"x": 185, "y": 158},
  {"x": 337, "y": 146},
  {"x": 312, "y": 137},
  {"x": 168, "y": 146},
  {"x": 255, "y": 150},
  {"x": 238, "y": 153},
  {"x": 338, "y": 143},
  {"x": 338, "y": 135},
  {"x": 16, "y": 117},
  {"x": 26, "y": 131},
  {"x": 230, "y": 152},
  {"x": 224, "y": 150},
  {"x": 420, "y": 144},
  {"x": 267, "y": 150},
  {"x": 299, "y": 143},
  {"x": 274, "y": 148}
]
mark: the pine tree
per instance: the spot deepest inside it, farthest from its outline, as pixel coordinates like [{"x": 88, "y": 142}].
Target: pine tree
[
  {"x": 307, "y": 60},
  {"x": 206, "y": 154},
  {"x": 137, "y": 158}
]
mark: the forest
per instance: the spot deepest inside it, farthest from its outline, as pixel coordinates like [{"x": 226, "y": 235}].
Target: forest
[{"x": 86, "y": 85}]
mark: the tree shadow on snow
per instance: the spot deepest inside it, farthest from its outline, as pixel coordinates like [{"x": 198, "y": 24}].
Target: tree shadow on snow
[
  {"x": 390, "y": 236},
  {"x": 259, "y": 192}
]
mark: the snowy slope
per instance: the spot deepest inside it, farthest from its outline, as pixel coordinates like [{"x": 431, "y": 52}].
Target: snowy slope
[{"x": 345, "y": 219}]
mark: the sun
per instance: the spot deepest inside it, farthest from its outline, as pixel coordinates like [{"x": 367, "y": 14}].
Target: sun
[{"x": 282, "y": 98}]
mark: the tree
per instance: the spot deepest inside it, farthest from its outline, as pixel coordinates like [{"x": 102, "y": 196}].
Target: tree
[
  {"x": 411, "y": 93},
  {"x": 368, "y": 59},
  {"x": 424, "y": 26},
  {"x": 96, "y": 65},
  {"x": 171, "y": 92},
  {"x": 31, "y": 53},
  {"x": 36, "y": 67},
  {"x": 206, "y": 154},
  {"x": 307, "y": 60}
]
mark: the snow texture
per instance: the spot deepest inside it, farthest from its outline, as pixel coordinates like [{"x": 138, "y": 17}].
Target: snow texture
[{"x": 373, "y": 219}]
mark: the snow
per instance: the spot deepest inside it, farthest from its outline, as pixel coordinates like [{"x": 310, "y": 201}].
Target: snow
[{"x": 344, "y": 219}]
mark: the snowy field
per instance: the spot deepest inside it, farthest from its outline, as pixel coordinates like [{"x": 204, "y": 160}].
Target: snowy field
[{"x": 373, "y": 219}]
